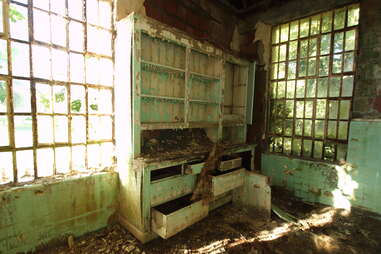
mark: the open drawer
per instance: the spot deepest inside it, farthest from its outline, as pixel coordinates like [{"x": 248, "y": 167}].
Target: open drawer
[
  {"x": 172, "y": 217},
  {"x": 225, "y": 182}
]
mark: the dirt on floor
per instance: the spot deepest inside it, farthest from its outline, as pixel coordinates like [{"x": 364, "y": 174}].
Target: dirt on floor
[{"x": 319, "y": 229}]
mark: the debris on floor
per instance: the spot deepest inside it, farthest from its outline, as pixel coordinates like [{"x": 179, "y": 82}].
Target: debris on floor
[{"x": 318, "y": 229}]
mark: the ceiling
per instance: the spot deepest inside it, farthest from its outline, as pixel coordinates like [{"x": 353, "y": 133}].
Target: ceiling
[{"x": 249, "y": 6}]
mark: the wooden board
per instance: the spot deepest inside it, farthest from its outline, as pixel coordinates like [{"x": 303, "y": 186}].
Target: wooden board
[
  {"x": 226, "y": 182},
  {"x": 230, "y": 164}
]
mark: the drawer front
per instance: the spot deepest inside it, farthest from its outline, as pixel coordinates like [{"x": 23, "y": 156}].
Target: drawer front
[
  {"x": 228, "y": 181},
  {"x": 166, "y": 190},
  {"x": 230, "y": 164},
  {"x": 167, "y": 225}
]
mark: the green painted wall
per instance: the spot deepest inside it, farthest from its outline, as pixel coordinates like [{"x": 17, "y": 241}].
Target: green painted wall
[
  {"x": 358, "y": 183},
  {"x": 37, "y": 214}
]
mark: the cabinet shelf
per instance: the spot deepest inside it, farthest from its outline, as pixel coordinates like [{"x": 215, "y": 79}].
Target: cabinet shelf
[
  {"x": 163, "y": 66},
  {"x": 158, "y": 97},
  {"x": 203, "y": 101},
  {"x": 204, "y": 76}
]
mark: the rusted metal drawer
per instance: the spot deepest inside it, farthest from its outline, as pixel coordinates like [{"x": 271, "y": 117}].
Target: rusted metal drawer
[
  {"x": 228, "y": 181},
  {"x": 168, "y": 222},
  {"x": 230, "y": 164}
]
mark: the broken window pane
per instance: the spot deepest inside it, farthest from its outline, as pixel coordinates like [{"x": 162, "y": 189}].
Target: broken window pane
[
  {"x": 4, "y": 136},
  {"x": 6, "y": 167},
  {"x": 44, "y": 98},
  {"x": 62, "y": 160},
  {"x": 41, "y": 62},
  {"x": 23, "y": 131},
  {"x": 19, "y": 23},
  {"x": 41, "y": 26},
  {"x": 60, "y": 129},
  {"x": 45, "y": 162},
  {"x": 20, "y": 59},
  {"x": 45, "y": 129},
  {"x": 3, "y": 57},
  {"x": 60, "y": 99},
  {"x": 78, "y": 129},
  {"x": 21, "y": 96},
  {"x": 3, "y": 96},
  {"x": 25, "y": 167}
]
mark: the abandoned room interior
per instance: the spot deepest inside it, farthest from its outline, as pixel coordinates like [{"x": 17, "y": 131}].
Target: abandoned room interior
[{"x": 190, "y": 126}]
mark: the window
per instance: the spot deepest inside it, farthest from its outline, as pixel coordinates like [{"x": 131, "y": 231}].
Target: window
[
  {"x": 311, "y": 87},
  {"x": 56, "y": 88}
]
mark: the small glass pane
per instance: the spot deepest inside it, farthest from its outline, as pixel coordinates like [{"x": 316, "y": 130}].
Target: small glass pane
[
  {"x": 282, "y": 71},
  {"x": 288, "y": 126},
  {"x": 58, "y": 6},
  {"x": 281, "y": 90},
  {"x": 18, "y": 22},
  {"x": 76, "y": 36},
  {"x": 341, "y": 152},
  {"x": 297, "y": 147},
  {"x": 20, "y": 59},
  {"x": 325, "y": 44},
  {"x": 303, "y": 67},
  {"x": 275, "y": 54},
  {"x": 278, "y": 145},
  {"x": 283, "y": 52},
  {"x": 321, "y": 108},
  {"x": 94, "y": 130},
  {"x": 92, "y": 70},
  {"x": 319, "y": 129},
  {"x": 4, "y": 136},
  {"x": 273, "y": 89},
  {"x": 300, "y": 88},
  {"x": 60, "y": 129},
  {"x": 343, "y": 130},
  {"x": 25, "y": 165},
  {"x": 6, "y": 167},
  {"x": 304, "y": 27},
  {"x": 348, "y": 61},
  {"x": 299, "y": 127},
  {"x": 345, "y": 108},
  {"x": 3, "y": 57},
  {"x": 58, "y": 30},
  {"x": 3, "y": 96},
  {"x": 307, "y": 148},
  {"x": 45, "y": 129},
  {"x": 312, "y": 47},
  {"x": 322, "y": 87},
  {"x": 347, "y": 89},
  {"x": 315, "y": 25},
  {"x": 21, "y": 96},
  {"x": 293, "y": 50},
  {"x": 333, "y": 108},
  {"x": 332, "y": 125},
  {"x": 284, "y": 33},
  {"x": 107, "y": 150},
  {"x": 94, "y": 100},
  {"x": 44, "y": 98},
  {"x": 323, "y": 65},
  {"x": 290, "y": 108},
  {"x": 41, "y": 26},
  {"x": 353, "y": 15},
  {"x": 312, "y": 66},
  {"x": 350, "y": 40},
  {"x": 105, "y": 96},
  {"x": 275, "y": 36},
  {"x": 318, "y": 149},
  {"x": 326, "y": 22},
  {"x": 303, "y": 48},
  {"x": 78, "y": 129},
  {"x": 299, "y": 109},
  {"x": 311, "y": 88},
  {"x": 337, "y": 63},
  {"x": 98, "y": 40},
  {"x": 78, "y": 97},
  {"x": 287, "y": 146},
  {"x": 77, "y": 68},
  {"x": 105, "y": 128},
  {"x": 105, "y": 15},
  {"x": 62, "y": 160},
  {"x": 60, "y": 99},
  {"x": 338, "y": 42},
  {"x": 92, "y": 11},
  {"x": 1, "y": 17},
  {"x": 93, "y": 156},
  {"x": 75, "y": 9},
  {"x": 291, "y": 70},
  {"x": 294, "y": 29},
  {"x": 339, "y": 19},
  {"x": 106, "y": 76},
  {"x": 290, "y": 89},
  {"x": 309, "y": 109},
  {"x": 59, "y": 65},
  {"x": 79, "y": 158},
  {"x": 45, "y": 162},
  {"x": 23, "y": 131},
  {"x": 42, "y": 4},
  {"x": 41, "y": 62},
  {"x": 334, "y": 87},
  {"x": 308, "y": 128}
]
